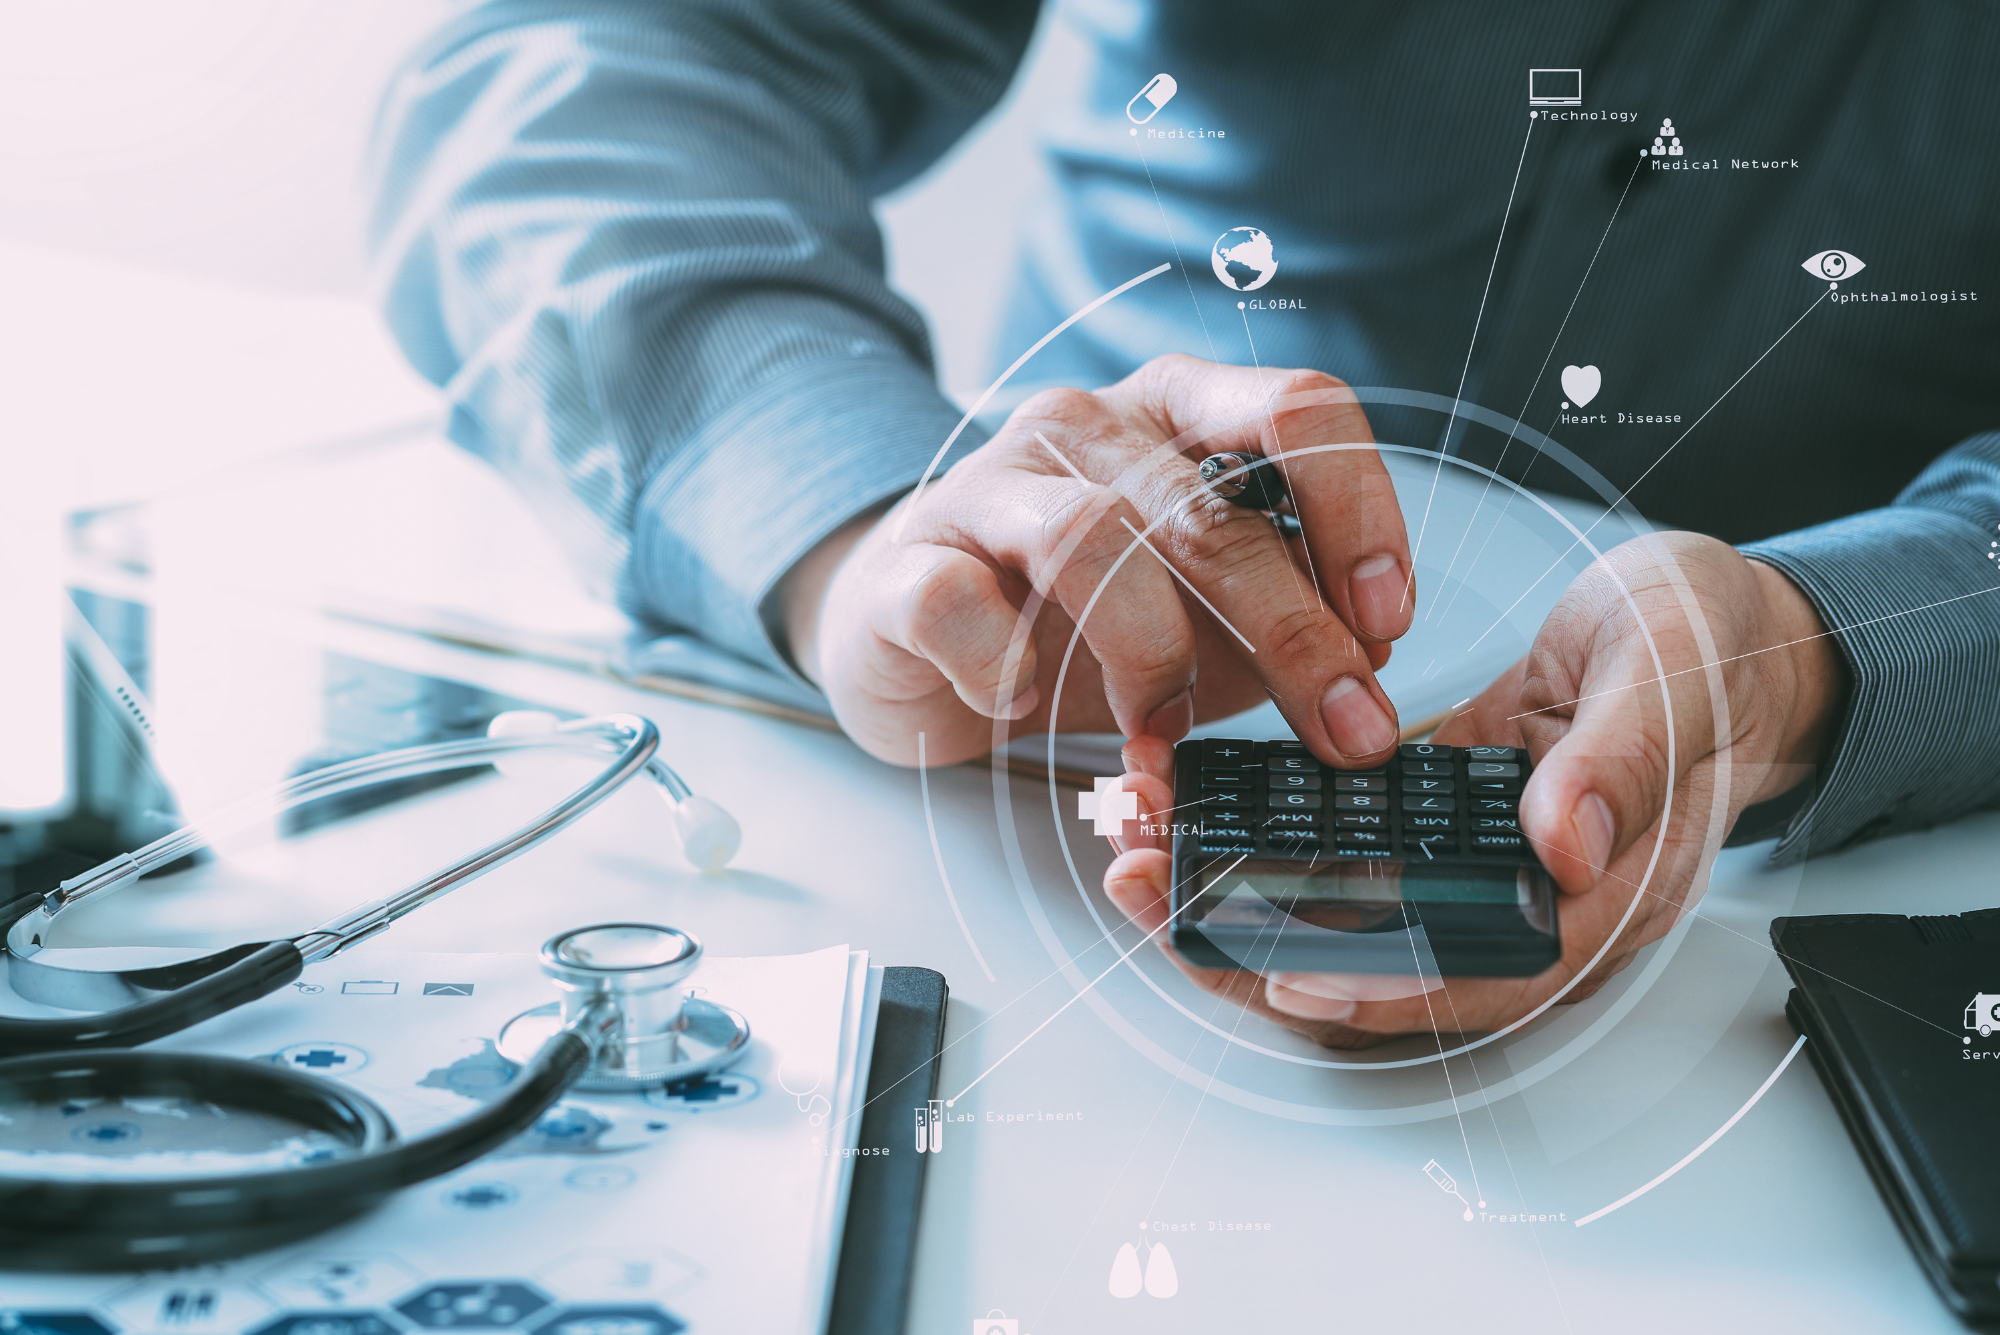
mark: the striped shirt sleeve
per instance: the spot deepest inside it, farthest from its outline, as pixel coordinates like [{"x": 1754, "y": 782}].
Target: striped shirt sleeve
[
  {"x": 1911, "y": 593},
  {"x": 634, "y": 242}
]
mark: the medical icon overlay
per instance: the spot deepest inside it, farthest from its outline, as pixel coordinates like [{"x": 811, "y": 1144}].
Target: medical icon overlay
[
  {"x": 1109, "y": 805},
  {"x": 1983, "y": 1013},
  {"x": 1833, "y": 265},
  {"x": 1159, "y": 91},
  {"x": 1581, "y": 383},
  {"x": 1159, "y": 1278},
  {"x": 930, "y": 1127},
  {"x": 1243, "y": 259},
  {"x": 1555, "y": 88},
  {"x": 1448, "y": 1183}
]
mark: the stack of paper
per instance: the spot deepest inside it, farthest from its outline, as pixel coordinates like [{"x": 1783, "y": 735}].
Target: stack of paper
[{"x": 714, "y": 1205}]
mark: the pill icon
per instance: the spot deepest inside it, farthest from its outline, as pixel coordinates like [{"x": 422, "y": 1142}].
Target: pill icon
[{"x": 1159, "y": 91}]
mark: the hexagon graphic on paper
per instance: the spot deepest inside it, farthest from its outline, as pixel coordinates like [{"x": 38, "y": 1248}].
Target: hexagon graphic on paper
[{"x": 1243, "y": 259}]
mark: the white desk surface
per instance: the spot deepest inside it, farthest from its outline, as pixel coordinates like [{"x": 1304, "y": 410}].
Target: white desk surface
[{"x": 1776, "y": 1227}]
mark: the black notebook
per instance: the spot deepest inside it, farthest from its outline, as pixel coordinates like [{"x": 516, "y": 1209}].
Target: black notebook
[
  {"x": 871, "y": 1289},
  {"x": 1902, "y": 1022}
]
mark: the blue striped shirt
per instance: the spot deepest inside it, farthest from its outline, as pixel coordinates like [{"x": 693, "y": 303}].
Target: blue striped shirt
[{"x": 633, "y": 241}]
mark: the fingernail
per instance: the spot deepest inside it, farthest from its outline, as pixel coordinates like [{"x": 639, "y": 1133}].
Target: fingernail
[
  {"x": 1305, "y": 1005},
  {"x": 1024, "y": 703},
  {"x": 1353, "y": 719},
  {"x": 1595, "y": 830},
  {"x": 1313, "y": 984},
  {"x": 1172, "y": 719},
  {"x": 1380, "y": 604}
]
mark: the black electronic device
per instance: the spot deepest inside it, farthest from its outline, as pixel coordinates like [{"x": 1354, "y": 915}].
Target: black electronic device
[
  {"x": 1283, "y": 862},
  {"x": 1900, "y": 1017}
]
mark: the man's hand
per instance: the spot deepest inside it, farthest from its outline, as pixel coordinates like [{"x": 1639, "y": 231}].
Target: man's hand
[
  {"x": 1634, "y": 788},
  {"x": 913, "y": 622}
]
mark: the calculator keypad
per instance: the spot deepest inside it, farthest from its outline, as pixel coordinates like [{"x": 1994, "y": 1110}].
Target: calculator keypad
[{"x": 1428, "y": 802}]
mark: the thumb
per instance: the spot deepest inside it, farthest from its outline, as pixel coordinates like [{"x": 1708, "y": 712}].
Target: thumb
[{"x": 1607, "y": 777}]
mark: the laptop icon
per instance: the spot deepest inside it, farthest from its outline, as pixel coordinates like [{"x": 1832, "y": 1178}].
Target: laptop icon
[{"x": 1555, "y": 88}]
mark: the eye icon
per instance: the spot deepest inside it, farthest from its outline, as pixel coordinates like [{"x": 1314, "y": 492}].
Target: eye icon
[{"x": 1834, "y": 265}]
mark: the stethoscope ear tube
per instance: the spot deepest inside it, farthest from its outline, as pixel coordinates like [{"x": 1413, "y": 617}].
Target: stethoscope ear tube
[
  {"x": 231, "y": 978},
  {"x": 71, "y": 1224}
]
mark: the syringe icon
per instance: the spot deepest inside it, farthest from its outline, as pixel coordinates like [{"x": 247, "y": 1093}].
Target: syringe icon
[{"x": 1436, "y": 1173}]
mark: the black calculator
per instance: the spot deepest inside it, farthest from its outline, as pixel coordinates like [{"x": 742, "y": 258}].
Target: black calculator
[{"x": 1417, "y": 866}]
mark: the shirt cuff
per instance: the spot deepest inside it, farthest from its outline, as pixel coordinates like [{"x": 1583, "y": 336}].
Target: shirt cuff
[
  {"x": 1895, "y": 586},
  {"x": 736, "y": 508}
]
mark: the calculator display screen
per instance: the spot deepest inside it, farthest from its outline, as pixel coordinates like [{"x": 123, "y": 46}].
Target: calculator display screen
[{"x": 1360, "y": 895}]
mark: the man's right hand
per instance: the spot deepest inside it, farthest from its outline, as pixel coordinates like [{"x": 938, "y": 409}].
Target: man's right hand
[{"x": 911, "y": 622}]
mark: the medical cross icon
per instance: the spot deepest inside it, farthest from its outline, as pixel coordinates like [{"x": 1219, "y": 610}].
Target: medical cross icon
[{"x": 1109, "y": 805}]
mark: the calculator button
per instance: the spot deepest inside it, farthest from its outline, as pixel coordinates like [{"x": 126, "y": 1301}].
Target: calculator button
[
  {"x": 1295, "y": 801},
  {"x": 1503, "y": 787},
  {"x": 1441, "y": 769},
  {"x": 1507, "y": 824},
  {"x": 1225, "y": 818},
  {"x": 1226, "y": 752},
  {"x": 1293, "y": 820},
  {"x": 1356, "y": 820},
  {"x": 1415, "y": 804},
  {"x": 1437, "y": 841},
  {"x": 1230, "y": 800},
  {"x": 1483, "y": 769},
  {"x": 1292, "y": 765},
  {"x": 1294, "y": 842},
  {"x": 1364, "y": 838},
  {"x": 1371, "y": 770},
  {"x": 1286, "y": 747},
  {"x": 1494, "y": 805},
  {"x": 1498, "y": 843},
  {"x": 1441, "y": 821},
  {"x": 1344, "y": 849},
  {"x": 1226, "y": 841},
  {"x": 1424, "y": 751},
  {"x": 1501, "y": 754},
  {"x": 1360, "y": 783},
  {"x": 1218, "y": 779},
  {"x": 1361, "y": 802},
  {"x": 1442, "y": 787},
  {"x": 1301, "y": 782}
]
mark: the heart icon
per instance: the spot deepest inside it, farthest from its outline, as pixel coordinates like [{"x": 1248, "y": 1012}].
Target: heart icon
[{"x": 1581, "y": 383}]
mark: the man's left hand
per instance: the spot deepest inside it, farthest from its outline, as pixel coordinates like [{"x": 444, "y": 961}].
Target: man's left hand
[{"x": 1648, "y": 744}]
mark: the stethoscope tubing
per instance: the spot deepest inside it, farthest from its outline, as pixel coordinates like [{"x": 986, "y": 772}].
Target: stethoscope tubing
[
  {"x": 216, "y": 983},
  {"x": 97, "y": 1224}
]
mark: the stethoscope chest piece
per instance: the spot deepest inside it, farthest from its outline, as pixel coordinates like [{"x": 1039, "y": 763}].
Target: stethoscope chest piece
[{"x": 619, "y": 985}]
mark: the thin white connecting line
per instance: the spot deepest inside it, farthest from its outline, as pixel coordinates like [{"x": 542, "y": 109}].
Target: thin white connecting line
[
  {"x": 1649, "y": 470},
  {"x": 1084, "y": 991},
  {"x": 1007, "y": 375},
  {"x": 1284, "y": 468},
  {"x": 1703, "y": 667},
  {"x": 1179, "y": 263},
  {"x": 1527, "y": 399},
  {"x": 1450, "y": 1089},
  {"x": 1107, "y": 936},
  {"x": 1477, "y": 320},
  {"x": 924, "y": 782},
  {"x": 1184, "y": 583}
]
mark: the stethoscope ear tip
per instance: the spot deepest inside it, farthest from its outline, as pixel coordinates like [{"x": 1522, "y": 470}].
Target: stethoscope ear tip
[{"x": 709, "y": 835}]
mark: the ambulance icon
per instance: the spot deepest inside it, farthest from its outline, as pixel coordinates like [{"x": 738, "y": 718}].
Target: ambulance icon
[{"x": 1983, "y": 1014}]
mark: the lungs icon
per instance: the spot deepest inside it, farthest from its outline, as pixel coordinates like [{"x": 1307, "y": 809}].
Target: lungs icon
[
  {"x": 1125, "y": 1281},
  {"x": 1161, "y": 1281}
]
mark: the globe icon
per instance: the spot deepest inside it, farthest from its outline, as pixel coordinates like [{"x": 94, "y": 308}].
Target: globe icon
[{"x": 1243, "y": 260}]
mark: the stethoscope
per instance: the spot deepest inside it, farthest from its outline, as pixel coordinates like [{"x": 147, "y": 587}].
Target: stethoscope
[{"x": 620, "y": 1024}]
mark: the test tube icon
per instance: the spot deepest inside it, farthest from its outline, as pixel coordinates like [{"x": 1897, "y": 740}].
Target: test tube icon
[
  {"x": 930, "y": 1127},
  {"x": 1159, "y": 91}
]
